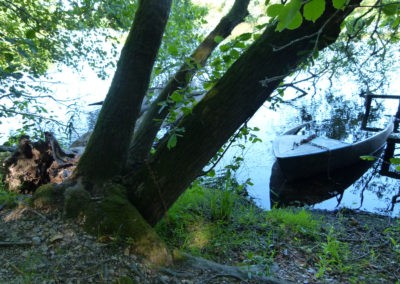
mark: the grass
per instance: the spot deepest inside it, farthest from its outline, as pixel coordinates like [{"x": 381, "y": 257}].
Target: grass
[
  {"x": 297, "y": 221},
  {"x": 224, "y": 226},
  {"x": 8, "y": 199},
  {"x": 333, "y": 256}
]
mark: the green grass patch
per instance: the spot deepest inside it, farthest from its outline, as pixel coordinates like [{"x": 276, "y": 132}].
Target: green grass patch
[
  {"x": 297, "y": 221},
  {"x": 9, "y": 199},
  {"x": 333, "y": 255},
  {"x": 222, "y": 225}
]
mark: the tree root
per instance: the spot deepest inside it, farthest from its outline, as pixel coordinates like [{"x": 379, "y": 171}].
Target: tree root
[{"x": 244, "y": 274}]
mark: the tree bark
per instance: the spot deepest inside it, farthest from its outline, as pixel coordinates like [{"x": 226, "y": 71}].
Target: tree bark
[
  {"x": 106, "y": 152},
  {"x": 153, "y": 118},
  {"x": 235, "y": 98}
]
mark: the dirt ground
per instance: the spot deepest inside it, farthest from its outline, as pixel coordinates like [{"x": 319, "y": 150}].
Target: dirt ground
[{"x": 41, "y": 247}]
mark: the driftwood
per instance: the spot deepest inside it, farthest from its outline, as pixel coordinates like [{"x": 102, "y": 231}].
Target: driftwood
[{"x": 35, "y": 163}]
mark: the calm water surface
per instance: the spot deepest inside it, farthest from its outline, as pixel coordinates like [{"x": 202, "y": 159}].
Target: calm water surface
[{"x": 362, "y": 188}]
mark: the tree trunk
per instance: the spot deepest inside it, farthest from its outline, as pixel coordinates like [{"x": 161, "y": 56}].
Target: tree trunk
[
  {"x": 235, "y": 98},
  {"x": 106, "y": 152},
  {"x": 153, "y": 118}
]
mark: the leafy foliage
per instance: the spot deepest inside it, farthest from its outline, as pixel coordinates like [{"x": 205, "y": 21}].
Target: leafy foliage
[{"x": 36, "y": 35}]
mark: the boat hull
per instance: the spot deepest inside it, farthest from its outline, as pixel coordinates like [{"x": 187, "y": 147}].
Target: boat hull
[{"x": 299, "y": 158}]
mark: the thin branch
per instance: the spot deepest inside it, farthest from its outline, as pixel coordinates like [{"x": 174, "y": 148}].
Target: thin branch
[{"x": 233, "y": 139}]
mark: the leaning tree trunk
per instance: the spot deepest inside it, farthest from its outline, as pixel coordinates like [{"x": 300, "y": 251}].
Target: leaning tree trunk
[{"x": 235, "y": 98}]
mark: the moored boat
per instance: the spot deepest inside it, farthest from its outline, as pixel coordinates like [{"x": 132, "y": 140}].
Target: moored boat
[{"x": 302, "y": 156}]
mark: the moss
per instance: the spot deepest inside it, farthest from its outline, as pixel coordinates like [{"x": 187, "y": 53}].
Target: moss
[
  {"x": 47, "y": 196},
  {"x": 76, "y": 199},
  {"x": 115, "y": 215}
]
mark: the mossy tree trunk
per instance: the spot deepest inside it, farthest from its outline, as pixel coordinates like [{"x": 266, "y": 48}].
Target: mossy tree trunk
[{"x": 158, "y": 180}]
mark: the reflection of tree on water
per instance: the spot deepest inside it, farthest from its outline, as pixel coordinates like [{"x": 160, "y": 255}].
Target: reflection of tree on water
[
  {"x": 315, "y": 189},
  {"x": 338, "y": 118}
]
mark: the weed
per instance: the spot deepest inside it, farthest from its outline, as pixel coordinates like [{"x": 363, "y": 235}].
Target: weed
[
  {"x": 333, "y": 256},
  {"x": 9, "y": 199},
  {"x": 393, "y": 234},
  {"x": 221, "y": 205}
]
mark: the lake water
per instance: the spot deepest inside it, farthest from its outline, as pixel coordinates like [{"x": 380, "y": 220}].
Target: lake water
[{"x": 370, "y": 191}]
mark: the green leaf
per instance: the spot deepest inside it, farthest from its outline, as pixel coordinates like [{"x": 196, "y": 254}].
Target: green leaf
[
  {"x": 290, "y": 16},
  {"x": 313, "y": 10},
  {"x": 267, "y": 2},
  {"x": 234, "y": 54},
  {"x": 173, "y": 50},
  {"x": 395, "y": 161},
  {"x": 211, "y": 173},
  {"x": 368, "y": 158},
  {"x": 218, "y": 39},
  {"x": 339, "y": 4},
  {"x": 224, "y": 47},
  {"x": 172, "y": 141},
  {"x": 296, "y": 21},
  {"x": 274, "y": 10},
  {"x": 30, "y": 34},
  {"x": 245, "y": 36},
  {"x": 390, "y": 9},
  {"x": 396, "y": 23},
  {"x": 176, "y": 97}
]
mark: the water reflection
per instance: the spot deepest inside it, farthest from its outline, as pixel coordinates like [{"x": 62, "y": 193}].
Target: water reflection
[
  {"x": 370, "y": 191},
  {"x": 315, "y": 189}
]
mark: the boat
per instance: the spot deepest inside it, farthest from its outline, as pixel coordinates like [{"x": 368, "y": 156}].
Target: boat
[{"x": 303, "y": 156}]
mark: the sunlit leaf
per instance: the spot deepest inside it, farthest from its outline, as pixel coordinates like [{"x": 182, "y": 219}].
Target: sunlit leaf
[
  {"x": 339, "y": 4},
  {"x": 173, "y": 50},
  {"x": 211, "y": 173},
  {"x": 296, "y": 21},
  {"x": 290, "y": 16},
  {"x": 313, "y": 10},
  {"x": 274, "y": 10}
]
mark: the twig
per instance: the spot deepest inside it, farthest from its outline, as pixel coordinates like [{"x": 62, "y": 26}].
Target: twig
[
  {"x": 16, "y": 268},
  {"x": 203, "y": 173},
  {"x": 225, "y": 275},
  {"x": 10, "y": 244}
]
